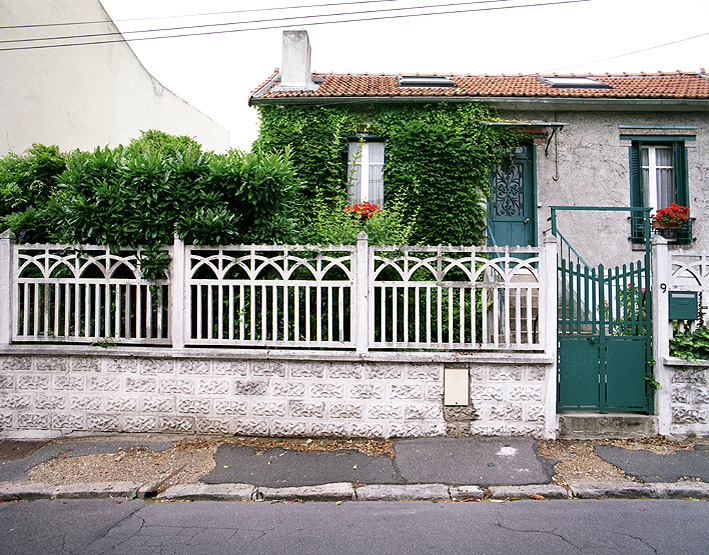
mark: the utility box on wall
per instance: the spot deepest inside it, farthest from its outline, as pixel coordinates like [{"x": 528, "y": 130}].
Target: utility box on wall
[
  {"x": 456, "y": 386},
  {"x": 684, "y": 305}
]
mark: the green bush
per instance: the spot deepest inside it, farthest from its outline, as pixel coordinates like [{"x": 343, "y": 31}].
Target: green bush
[
  {"x": 27, "y": 183},
  {"x": 691, "y": 345}
]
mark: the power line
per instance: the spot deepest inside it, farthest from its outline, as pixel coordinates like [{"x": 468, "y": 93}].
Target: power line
[
  {"x": 253, "y": 21},
  {"x": 629, "y": 53},
  {"x": 304, "y": 24},
  {"x": 29, "y": 26}
]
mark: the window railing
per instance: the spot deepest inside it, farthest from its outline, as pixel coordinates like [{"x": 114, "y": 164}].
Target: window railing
[{"x": 682, "y": 236}]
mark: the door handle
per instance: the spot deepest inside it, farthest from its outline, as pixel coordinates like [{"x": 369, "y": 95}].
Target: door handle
[{"x": 526, "y": 221}]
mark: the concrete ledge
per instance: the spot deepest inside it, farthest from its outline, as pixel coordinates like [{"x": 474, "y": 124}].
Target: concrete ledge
[
  {"x": 548, "y": 491},
  {"x": 15, "y": 492},
  {"x": 606, "y": 426},
  {"x": 399, "y": 492},
  {"x": 466, "y": 492},
  {"x": 209, "y": 492},
  {"x": 96, "y": 491},
  {"x": 337, "y": 491},
  {"x": 615, "y": 490},
  {"x": 679, "y": 490}
]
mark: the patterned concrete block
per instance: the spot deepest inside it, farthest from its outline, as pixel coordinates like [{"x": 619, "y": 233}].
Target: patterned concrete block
[
  {"x": 300, "y": 409},
  {"x": 269, "y": 408},
  {"x": 52, "y": 364},
  {"x": 506, "y": 412},
  {"x": 307, "y": 369},
  {"x": 524, "y": 393},
  {"x": 534, "y": 413},
  {"x": 424, "y": 372},
  {"x": 141, "y": 385},
  {"x": 213, "y": 425},
  {"x": 49, "y": 402},
  {"x": 32, "y": 383},
  {"x": 122, "y": 366},
  {"x": 121, "y": 404},
  {"x": 213, "y": 386},
  {"x": 193, "y": 367},
  {"x": 139, "y": 423},
  {"x": 384, "y": 371},
  {"x": 176, "y": 424},
  {"x": 33, "y": 420},
  {"x": 268, "y": 369},
  {"x": 68, "y": 383},
  {"x": 175, "y": 386},
  {"x": 7, "y": 382},
  {"x": 505, "y": 373},
  {"x": 690, "y": 376},
  {"x": 152, "y": 367},
  {"x": 103, "y": 422},
  {"x": 250, "y": 387},
  {"x": 158, "y": 404},
  {"x": 103, "y": 383},
  {"x": 11, "y": 364},
  {"x": 366, "y": 430},
  {"x": 251, "y": 427},
  {"x": 231, "y": 368},
  {"x": 422, "y": 412},
  {"x": 385, "y": 412},
  {"x": 194, "y": 406},
  {"x": 366, "y": 391},
  {"x": 346, "y": 410},
  {"x": 406, "y": 391},
  {"x": 69, "y": 421},
  {"x": 487, "y": 393},
  {"x": 688, "y": 415},
  {"x": 85, "y": 364},
  {"x": 289, "y": 428},
  {"x": 230, "y": 407},
  {"x": 288, "y": 389},
  {"x": 327, "y": 391},
  {"x": 86, "y": 402},
  {"x": 345, "y": 371}
]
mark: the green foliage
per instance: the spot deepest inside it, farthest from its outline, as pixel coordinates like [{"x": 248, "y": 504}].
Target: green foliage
[
  {"x": 330, "y": 223},
  {"x": 27, "y": 183},
  {"x": 691, "y": 345},
  {"x": 437, "y": 159},
  {"x": 143, "y": 193}
]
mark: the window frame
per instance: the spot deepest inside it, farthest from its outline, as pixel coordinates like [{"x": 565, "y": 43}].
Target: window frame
[
  {"x": 681, "y": 184},
  {"x": 364, "y": 170}
]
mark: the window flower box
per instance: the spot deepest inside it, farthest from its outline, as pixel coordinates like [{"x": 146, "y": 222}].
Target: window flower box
[{"x": 672, "y": 217}]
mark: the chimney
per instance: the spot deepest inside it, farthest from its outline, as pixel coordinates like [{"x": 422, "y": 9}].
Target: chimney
[{"x": 295, "y": 67}]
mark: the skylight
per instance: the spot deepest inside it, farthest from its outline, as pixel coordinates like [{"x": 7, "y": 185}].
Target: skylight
[
  {"x": 424, "y": 81},
  {"x": 574, "y": 83}
]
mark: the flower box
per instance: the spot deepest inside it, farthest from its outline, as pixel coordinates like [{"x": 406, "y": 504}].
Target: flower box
[{"x": 659, "y": 224}]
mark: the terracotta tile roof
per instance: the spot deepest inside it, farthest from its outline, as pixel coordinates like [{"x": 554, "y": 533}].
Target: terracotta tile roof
[{"x": 677, "y": 85}]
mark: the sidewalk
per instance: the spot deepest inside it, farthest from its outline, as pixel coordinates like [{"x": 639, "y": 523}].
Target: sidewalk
[{"x": 436, "y": 469}]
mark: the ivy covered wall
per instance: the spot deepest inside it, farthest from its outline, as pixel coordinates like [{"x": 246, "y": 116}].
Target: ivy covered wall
[{"x": 437, "y": 158}]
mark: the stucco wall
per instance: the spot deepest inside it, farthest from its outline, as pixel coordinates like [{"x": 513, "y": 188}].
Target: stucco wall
[
  {"x": 52, "y": 394},
  {"x": 84, "y": 96},
  {"x": 586, "y": 164}
]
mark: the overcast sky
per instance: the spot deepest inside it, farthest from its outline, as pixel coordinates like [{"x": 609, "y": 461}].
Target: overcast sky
[{"x": 216, "y": 73}]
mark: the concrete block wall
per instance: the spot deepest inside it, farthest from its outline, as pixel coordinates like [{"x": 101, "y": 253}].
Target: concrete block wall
[
  {"x": 689, "y": 393},
  {"x": 46, "y": 395}
]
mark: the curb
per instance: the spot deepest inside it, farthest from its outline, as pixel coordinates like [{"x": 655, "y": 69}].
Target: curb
[{"x": 346, "y": 491}]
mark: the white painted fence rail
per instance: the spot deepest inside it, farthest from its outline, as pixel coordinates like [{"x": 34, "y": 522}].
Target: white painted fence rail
[
  {"x": 690, "y": 272},
  {"x": 336, "y": 297}
]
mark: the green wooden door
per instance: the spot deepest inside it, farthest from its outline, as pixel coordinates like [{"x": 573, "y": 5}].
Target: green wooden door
[{"x": 512, "y": 206}]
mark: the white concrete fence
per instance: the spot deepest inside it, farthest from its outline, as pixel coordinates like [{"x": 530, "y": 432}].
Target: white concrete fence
[{"x": 337, "y": 297}]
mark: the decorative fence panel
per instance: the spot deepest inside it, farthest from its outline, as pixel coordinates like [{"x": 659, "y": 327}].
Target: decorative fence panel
[
  {"x": 270, "y": 296},
  {"x": 690, "y": 272},
  {"x": 340, "y": 297},
  {"x": 86, "y": 294},
  {"x": 455, "y": 298}
]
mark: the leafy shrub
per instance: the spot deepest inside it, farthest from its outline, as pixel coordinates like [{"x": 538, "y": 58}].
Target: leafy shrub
[
  {"x": 27, "y": 183},
  {"x": 691, "y": 345}
]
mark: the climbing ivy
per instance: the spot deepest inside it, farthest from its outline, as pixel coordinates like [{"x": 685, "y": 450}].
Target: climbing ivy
[{"x": 437, "y": 159}]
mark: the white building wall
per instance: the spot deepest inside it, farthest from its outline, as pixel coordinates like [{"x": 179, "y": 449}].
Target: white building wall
[
  {"x": 588, "y": 165},
  {"x": 84, "y": 96}
]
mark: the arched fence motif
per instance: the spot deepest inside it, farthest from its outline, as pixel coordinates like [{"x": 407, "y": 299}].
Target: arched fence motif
[{"x": 265, "y": 296}]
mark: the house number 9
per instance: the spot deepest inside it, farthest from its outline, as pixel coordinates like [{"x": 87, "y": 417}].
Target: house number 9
[{"x": 663, "y": 287}]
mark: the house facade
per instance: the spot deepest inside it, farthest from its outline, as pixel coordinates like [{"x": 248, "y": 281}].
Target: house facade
[
  {"x": 58, "y": 91},
  {"x": 629, "y": 140}
]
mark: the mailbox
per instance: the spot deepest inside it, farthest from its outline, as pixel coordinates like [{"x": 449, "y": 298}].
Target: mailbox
[{"x": 684, "y": 305}]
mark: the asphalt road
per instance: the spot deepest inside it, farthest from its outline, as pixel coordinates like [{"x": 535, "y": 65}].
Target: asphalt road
[{"x": 520, "y": 527}]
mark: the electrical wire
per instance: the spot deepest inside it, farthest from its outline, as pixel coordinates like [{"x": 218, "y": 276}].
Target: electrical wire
[
  {"x": 313, "y": 23},
  {"x": 230, "y": 12},
  {"x": 253, "y": 21}
]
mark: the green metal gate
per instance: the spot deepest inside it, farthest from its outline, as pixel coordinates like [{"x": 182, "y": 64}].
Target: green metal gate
[{"x": 604, "y": 331}]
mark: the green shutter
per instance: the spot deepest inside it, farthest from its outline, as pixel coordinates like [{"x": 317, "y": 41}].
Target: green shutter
[
  {"x": 680, "y": 162},
  {"x": 636, "y": 192},
  {"x": 679, "y": 154}
]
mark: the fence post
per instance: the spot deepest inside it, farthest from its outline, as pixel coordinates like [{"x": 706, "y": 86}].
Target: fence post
[
  {"x": 548, "y": 306},
  {"x": 177, "y": 294},
  {"x": 661, "y": 274},
  {"x": 360, "y": 298},
  {"x": 7, "y": 240}
]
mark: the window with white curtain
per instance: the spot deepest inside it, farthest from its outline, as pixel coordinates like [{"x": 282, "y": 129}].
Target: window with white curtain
[
  {"x": 658, "y": 176},
  {"x": 365, "y": 165}
]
